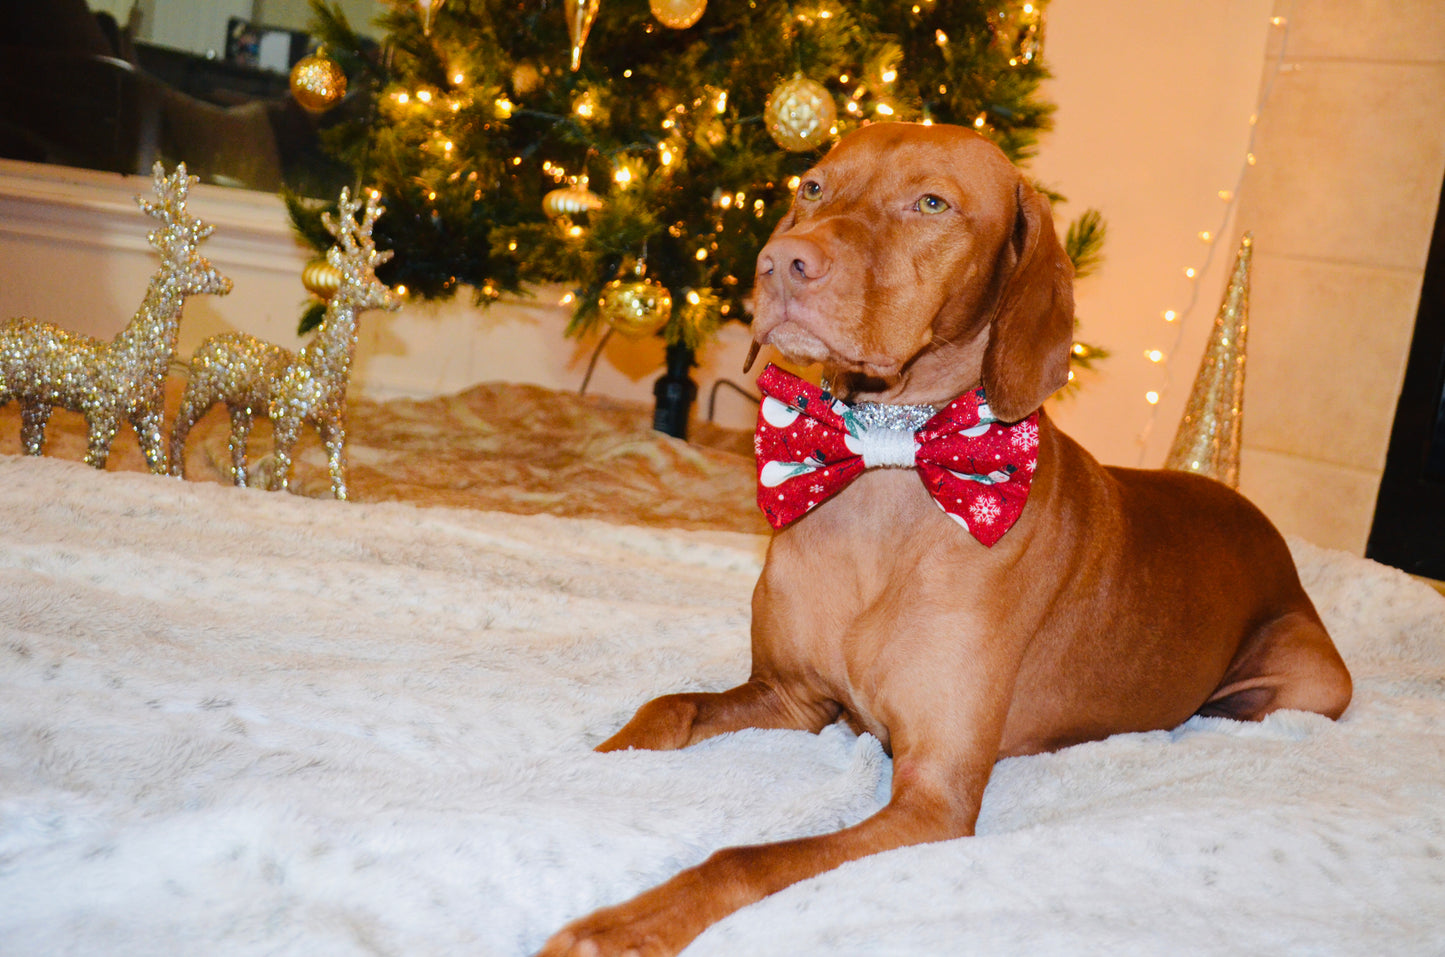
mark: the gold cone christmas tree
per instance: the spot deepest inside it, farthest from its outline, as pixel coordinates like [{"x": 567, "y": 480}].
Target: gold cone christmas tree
[{"x": 1207, "y": 441}]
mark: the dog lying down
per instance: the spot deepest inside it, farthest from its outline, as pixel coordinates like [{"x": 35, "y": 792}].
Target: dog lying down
[{"x": 950, "y": 572}]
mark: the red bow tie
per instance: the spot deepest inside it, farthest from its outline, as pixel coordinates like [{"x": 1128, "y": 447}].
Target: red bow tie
[{"x": 810, "y": 445}]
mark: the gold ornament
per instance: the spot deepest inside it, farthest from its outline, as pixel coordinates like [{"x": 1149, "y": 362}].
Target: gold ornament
[
  {"x": 428, "y": 8},
  {"x": 635, "y": 307},
  {"x": 321, "y": 279},
  {"x": 525, "y": 78},
  {"x": 251, "y": 376},
  {"x": 317, "y": 82},
  {"x": 572, "y": 199},
  {"x": 580, "y": 14},
  {"x": 43, "y": 366},
  {"x": 678, "y": 14},
  {"x": 800, "y": 114},
  {"x": 1208, "y": 438}
]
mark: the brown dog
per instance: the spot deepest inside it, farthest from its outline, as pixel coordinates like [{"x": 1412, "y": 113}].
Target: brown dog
[{"x": 917, "y": 265}]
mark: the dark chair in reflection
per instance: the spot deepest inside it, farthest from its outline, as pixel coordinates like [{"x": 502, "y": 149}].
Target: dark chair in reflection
[{"x": 102, "y": 112}]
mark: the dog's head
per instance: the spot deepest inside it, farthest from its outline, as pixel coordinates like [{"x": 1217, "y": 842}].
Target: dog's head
[{"x": 915, "y": 263}]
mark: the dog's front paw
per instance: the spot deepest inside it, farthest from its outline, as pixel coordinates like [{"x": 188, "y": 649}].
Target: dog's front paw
[
  {"x": 613, "y": 932},
  {"x": 657, "y": 923},
  {"x": 663, "y": 724}
]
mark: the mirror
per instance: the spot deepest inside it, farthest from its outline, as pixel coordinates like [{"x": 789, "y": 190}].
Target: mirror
[{"x": 117, "y": 84}]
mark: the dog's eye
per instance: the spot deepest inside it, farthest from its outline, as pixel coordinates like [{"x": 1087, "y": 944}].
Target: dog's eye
[
  {"x": 931, "y": 204},
  {"x": 812, "y": 189}
]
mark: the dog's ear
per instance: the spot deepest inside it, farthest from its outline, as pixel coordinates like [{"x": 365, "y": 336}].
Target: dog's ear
[{"x": 1032, "y": 330}]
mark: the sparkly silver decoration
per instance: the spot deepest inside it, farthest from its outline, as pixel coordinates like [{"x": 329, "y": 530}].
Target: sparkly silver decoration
[
  {"x": 1208, "y": 439},
  {"x": 252, "y": 376},
  {"x": 43, "y": 366},
  {"x": 885, "y": 433},
  {"x": 895, "y": 418}
]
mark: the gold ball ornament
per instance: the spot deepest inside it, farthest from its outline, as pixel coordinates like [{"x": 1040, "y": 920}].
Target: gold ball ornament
[
  {"x": 570, "y": 199},
  {"x": 800, "y": 114},
  {"x": 321, "y": 278},
  {"x": 525, "y": 78},
  {"x": 635, "y": 307},
  {"x": 317, "y": 82},
  {"x": 678, "y": 14}
]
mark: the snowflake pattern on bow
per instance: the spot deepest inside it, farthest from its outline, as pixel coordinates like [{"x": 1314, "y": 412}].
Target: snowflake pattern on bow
[{"x": 809, "y": 446}]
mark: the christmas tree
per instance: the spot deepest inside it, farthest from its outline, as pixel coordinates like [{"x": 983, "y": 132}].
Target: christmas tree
[{"x": 644, "y": 151}]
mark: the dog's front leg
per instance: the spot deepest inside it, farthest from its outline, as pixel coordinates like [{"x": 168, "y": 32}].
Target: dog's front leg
[
  {"x": 927, "y": 805},
  {"x": 678, "y": 720}
]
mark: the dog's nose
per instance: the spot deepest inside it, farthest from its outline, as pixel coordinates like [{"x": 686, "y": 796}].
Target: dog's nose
[{"x": 800, "y": 261}]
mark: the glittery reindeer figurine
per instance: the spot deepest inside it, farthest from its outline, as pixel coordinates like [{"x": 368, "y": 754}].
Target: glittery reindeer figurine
[
  {"x": 252, "y": 376},
  {"x": 43, "y": 366}
]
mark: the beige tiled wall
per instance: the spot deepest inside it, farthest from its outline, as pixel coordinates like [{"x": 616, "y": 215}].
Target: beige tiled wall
[{"x": 1350, "y": 154}]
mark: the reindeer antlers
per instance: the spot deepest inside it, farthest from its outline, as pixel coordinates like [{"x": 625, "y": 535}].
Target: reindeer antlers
[
  {"x": 355, "y": 239},
  {"x": 178, "y": 225}
]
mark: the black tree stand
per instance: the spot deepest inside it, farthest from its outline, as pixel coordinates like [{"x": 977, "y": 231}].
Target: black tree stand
[{"x": 675, "y": 392}]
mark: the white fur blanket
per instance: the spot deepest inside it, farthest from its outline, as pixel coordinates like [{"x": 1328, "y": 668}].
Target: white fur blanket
[{"x": 241, "y": 723}]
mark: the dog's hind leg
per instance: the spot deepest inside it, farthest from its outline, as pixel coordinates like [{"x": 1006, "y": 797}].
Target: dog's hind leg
[{"x": 1288, "y": 663}]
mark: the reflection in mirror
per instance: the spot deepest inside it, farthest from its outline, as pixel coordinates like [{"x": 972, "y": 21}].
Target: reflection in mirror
[{"x": 81, "y": 87}]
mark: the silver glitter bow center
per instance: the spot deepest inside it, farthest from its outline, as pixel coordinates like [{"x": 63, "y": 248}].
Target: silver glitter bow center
[{"x": 886, "y": 433}]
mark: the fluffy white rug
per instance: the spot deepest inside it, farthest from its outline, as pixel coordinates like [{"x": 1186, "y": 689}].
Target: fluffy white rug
[{"x": 237, "y": 723}]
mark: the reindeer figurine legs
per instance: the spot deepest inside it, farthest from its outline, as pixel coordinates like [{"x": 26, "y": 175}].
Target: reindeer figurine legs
[
  {"x": 42, "y": 365},
  {"x": 252, "y": 376},
  {"x": 236, "y": 369},
  {"x": 330, "y": 426}
]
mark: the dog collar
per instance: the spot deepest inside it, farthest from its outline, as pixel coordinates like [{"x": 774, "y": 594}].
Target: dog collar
[{"x": 810, "y": 445}]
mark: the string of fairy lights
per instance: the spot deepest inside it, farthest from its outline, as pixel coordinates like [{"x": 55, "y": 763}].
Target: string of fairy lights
[{"x": 1178, "y": 320}]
